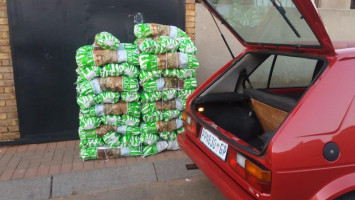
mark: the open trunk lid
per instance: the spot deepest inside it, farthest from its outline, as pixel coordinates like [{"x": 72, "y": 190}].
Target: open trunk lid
[{"x": 290, "y": 25}]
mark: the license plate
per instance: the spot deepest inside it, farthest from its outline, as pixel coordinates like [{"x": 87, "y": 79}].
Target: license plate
[{"x": 214, "y": 144}]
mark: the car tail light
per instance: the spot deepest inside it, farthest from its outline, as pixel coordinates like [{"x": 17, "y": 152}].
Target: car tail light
[
  {"x": 254, "y": 174},
  {"x": 189, "y": 124}
]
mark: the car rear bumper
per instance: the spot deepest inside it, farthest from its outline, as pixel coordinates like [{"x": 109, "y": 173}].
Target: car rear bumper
[{"x": 220, "y": 179}]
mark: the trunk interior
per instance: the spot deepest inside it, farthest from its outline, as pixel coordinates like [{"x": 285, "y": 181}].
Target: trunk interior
[{"x": 238, "y": 102}]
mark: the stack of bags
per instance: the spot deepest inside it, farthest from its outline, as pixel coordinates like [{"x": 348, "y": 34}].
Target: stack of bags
[
  {"x": 108, "y": 98},
  {"x": 132, "y": 110},
  {"x": 167, "y": 77}
]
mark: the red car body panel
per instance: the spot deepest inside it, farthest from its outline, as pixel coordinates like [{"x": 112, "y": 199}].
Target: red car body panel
[{"x": 326, "y": 113}]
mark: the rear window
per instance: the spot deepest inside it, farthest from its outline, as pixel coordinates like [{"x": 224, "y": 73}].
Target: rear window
[{"x": 280, "y": 71}]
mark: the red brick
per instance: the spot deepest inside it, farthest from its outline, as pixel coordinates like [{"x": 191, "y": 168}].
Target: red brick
[
  {"x": 7, "y": 76},
  {"x": 88, "y": 165},
  {"x": 3, "y": 27},
  {"x": 42, "y": 146},
  {"x": 70, "y": 144},
  {"x": 48, "y": 155},
  {"x": 54, "y": 169},
  {"x": 4, "y": 62},
  {"x": 110, "y": 162},
  {"x": 6, "y": 96},
  {"x": 9, "y": 89},
  {"x": 7, "y": 109},
  {"x": 19, "y": 173},
  {"x": 11, "y": 115},
  {"x": 6, "y": 175},
  {"x": 43, "y": 170},
  {"x": 131, "y": 160},
  {"x": 78, "y": 166},
  {"x": 190, "y": 6},
  {"x": 151, "y": 158},
  {"x": 61, "y": 144},
  {"x": 6, "y": 69},
  {"x": 121, "y": 161},
  {"x": 66, "y": 168},
  {"x": 3, "y": 21},
  {"x": 51, "y": 146},
  {"x": 22, "y": 148},
  {"x": 4, "y": 130},
  {"x": 5, "y": 49},
  {"x": 140, "y": 159},
  {"x": 31, "y": 172},
  {"x": 32, "y": 147},
  {"x": 2, "y": 102},
  {"x": 99, "y": 164},
  {"x": 13, "y": 128},
  {"x": 23, "y": 164},
  {"x": 3, "y": 116},
  {"x": 188, "y": 13},
  {"x": 68, "y": 158},
  {"x": 190, "y": 24}
]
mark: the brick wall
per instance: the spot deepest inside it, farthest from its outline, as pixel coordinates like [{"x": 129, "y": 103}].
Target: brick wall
[
  {"x": 9, "y": 128},
  {"x": 190, "y": 18}
]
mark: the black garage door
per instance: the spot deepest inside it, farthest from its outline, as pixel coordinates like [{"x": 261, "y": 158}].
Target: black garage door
[{"x": 44, "y": 37}]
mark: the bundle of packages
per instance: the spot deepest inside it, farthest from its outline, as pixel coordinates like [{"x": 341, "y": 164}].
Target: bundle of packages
[
  {"x": 108, "y": 98},
  {"x": 167, "y": 77}
]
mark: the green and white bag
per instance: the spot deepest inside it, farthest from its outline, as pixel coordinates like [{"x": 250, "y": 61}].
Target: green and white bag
[
  {"x": 113, "y": 120},
  {"x": 153, "y": 116},
  {"x": 127, "y": 46},
  {"x": 88, "y": 153},
  {"x": 184, "y": 94},
  {"x": 168, "y": 61},
  {"x": 84, "y": 56},
  {"x": 155, "y": 148},
  {"x": 88, "y": 123},
  {"x": 132, "y": 130},
  {"x": 186, "y": 45},
  {"x": 89, "y": 143},
  {"x": 106, "y": 40},
  {"x": 107, "y": 97},
  {"x": 150, "y": 46},
  {"x": 119, "y": 69},
  {"x": 130, "y": 96},
  {"x": 161, "y": 84},
  {"x": 129, "y": 120},
  {"x": 169, "y": 94},
  {"x": 149, "y": 128},
  {"x": 169, "y": 136},
  {"x": 156, "y": 30},
  {"x": 186, "y": 73},
  {"x": 86, "y": 101},
  {"x": 147, "y": 97},
  {"x": 130, "y": 151},
  {"x": 168, "y": 43},
  {"x": 112, "y": 139},
  {"x": 89, "y": 72},
  {"x": 87, "y": 134},
  {"x": 149, "y": 75},
  {"x": 149, "y": 139}
]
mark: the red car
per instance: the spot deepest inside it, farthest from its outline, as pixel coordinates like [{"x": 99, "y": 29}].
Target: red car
[{"x": 278, "y": 120}]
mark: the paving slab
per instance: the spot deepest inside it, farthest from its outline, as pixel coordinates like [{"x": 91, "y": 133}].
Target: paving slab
[
  {"x": 102, "y": 179},
  {"x": 174, "y": 169},
  {"x": 196, "y": 187},
  {"x": 26, "y": 189}
]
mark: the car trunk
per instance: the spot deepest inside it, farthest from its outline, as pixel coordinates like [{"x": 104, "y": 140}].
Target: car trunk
[{"x": 253, "y": 115}]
